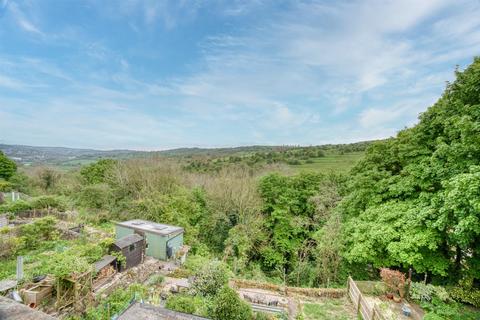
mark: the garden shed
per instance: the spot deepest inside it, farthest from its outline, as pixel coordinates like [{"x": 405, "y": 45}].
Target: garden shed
[
  {"x": 132, "y": 246},
  {"x": 162, "y": 241}
]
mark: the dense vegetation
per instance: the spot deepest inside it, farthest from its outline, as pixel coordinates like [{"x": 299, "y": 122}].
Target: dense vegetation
[{"x": 412, "y": 202}]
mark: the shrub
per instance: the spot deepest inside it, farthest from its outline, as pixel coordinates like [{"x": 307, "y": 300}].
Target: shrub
[
  {"x": 421, "y": 292},
  {"x": 5, "y": 186},
  {"x": 116, "y": 302},
  {"x": 466, "y": 295},
  {"x": 97, "y": 172},
  {"x": 395, "y": 280},
  {"x": 47, "y": 178},
  {"x": 44, "y": 202},
  {"x": 10, "y": 245},
  {"x": 40, "y": 230},
  {"x": 263, "y": 316},
  {"x": 156, "y": 279},
  {"x": 16, "y": 207},
  {"x": 441, "y": 293},
  {"x": 182, "y": 303},
  {"x": 96, "y": 196},
  {"x": 228, "y": 305},
  {"x": 210, "y": 279},
  {"x": 293, "y": 162}
]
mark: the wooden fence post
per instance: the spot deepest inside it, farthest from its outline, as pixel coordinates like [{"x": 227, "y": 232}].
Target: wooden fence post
[{"x": 358, "y": 302}]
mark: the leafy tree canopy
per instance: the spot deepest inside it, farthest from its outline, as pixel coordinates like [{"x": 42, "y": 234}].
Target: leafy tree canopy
[{"x": 413, "y": 199}]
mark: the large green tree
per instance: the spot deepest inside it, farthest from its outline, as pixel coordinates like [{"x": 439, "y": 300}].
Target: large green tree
[{"x": 413, "y": 199}]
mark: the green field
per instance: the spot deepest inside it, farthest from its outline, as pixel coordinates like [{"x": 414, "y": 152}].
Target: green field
[{"x": 340, "y": 163}]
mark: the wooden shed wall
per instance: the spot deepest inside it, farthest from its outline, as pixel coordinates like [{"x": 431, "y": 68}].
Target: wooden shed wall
[{"x": 133, "y": 257}]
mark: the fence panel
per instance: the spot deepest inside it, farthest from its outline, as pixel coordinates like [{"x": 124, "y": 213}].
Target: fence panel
[{"x": 361, "y": 305}]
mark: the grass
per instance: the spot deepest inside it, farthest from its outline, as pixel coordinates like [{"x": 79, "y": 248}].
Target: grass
[
  {"x": 328, "y": 309},
  {"x": 338, "y": 163}
]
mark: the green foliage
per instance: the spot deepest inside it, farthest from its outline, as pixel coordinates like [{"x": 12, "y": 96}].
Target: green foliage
[
  {"x": 438, "y": 310},
  {"x": 116, "y": 302},
  {"x": 21, "y": 182},
  {"x": 121, "y": 259},
  {"x": 156, "y": 279},
  {"x": 47, "y": 178},
  {"x": 185, "y": 303},
  {"x": 261, "y": 316},
  {"x": 97, "y": 171},
  {"x": 44, "y": 202},
  {"x": 70, "y": 258},
  {"x": 227, "y": 305},
  {"x": 95, "y": 196},
  {"x": 290, "y": 216},
  {"x": 10, "y": 246},
  {"x": 466, "y": 295},
  {"x": 318, "y": 158},
  {"x": 413, "y": 199},
  {"x": 42, "y": 229},
  {"x": 209, "y": 279},
  {"x": 16, "y": 206},
  {"x": 7, "y": 167},
  {"x": 426, "y": 292},
  {"x": 5, "y": 186}
]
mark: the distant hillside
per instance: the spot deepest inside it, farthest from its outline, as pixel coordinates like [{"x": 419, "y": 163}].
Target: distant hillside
[
  {"x": 73, "y": 157},
  {"x": 32, "y": 155}
]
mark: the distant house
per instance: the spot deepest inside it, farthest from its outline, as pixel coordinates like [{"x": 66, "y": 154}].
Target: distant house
[
  {"x": 162, "y": 241},
  {"x": 132, "y": 246},
  {"x": 140, "y": 311}
]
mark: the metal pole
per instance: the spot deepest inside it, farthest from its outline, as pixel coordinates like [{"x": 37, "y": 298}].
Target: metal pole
[{"x": 19, "y": 268}]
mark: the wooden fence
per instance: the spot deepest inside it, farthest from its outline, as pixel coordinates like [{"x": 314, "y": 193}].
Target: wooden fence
[{"x": 366, "y": 310}]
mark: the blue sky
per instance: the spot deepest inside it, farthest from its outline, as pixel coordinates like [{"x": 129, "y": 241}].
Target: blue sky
[{"x": 163, "y": 74}]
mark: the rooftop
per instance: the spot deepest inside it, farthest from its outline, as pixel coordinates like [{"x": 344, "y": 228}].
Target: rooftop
[
  {"x": 105, "y": 261},
  {"x": 6, "y": 285},
  {"x": 128, "y": 240},
  {"x": 138, "y": 311},
  {"x": 152, "y": 227},
  {"x": 13, "y": 310}
]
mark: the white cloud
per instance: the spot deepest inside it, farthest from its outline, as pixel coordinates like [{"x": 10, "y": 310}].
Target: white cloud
[
  {"x": 21, "y": 19},
  {"x": 316, "y": 73},
  {"x": 10, "y": 83}
]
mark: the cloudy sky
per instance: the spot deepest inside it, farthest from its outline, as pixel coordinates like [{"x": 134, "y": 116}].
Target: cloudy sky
[{"x": 163, "y": 74}]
